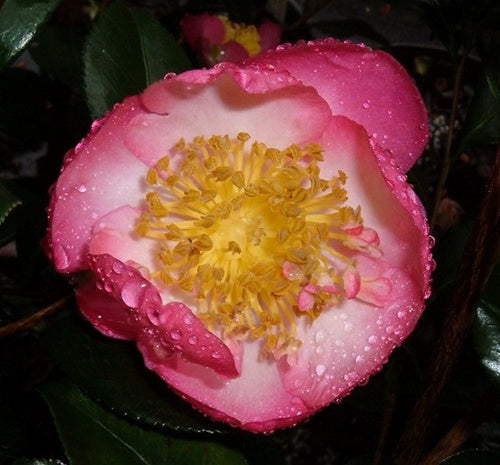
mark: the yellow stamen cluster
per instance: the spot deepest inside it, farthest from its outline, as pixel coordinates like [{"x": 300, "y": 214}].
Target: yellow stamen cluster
[
  {"x": 247, "y": 36},
  {"x": 244, "y": 229}
]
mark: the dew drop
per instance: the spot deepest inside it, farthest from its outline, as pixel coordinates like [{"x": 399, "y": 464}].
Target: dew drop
[
  {"x": 389, "y": 329},
  {"x": 82, "y": 188},
  {"x": 366, "y": 104},
  {"x": 372, "y": 339},
  {"x": 348, "y": 327},
  {"x": 192, "y": 340},
  {"x": 216, "y": 355},
  {"x": 175, "y": 334},
  {"x": 117, "y": 267},
  {"x": 320, "y": 337},
  {"x": 132, "y": 292},
  {"x": 401, "y": 314},
  {"x": 320, "y": 370}
]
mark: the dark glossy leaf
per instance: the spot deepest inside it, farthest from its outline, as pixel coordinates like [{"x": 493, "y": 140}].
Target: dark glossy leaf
[
  {"x": 100, "y": 366},
  {"x": 348, "y": 28},
  {"x": 126, "y": 51},
  {"x": 20, "y": 20},
  {"x": 184, "y": 452},
  {"x": 473, "y": 457},
  {"x": 482, "y": 124},
  {"x": 58, "y": 51},
  {"x": 8, "y": 202},
  {"x": 92, "y": 435},
  {"x": 37, "y": 462},
  {"x": 487, "y": 327}
]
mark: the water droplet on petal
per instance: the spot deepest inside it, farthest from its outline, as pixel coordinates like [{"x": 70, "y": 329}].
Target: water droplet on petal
[
  {"x": 320, "y": 337},
  {"x": 320, "y": 369},
  {"x": 132, "y": 292},
  {"x": 82, "y": 188},
  {"x": 175, "y": 334},
  {"x": 117, "y": 267},
  {"x": 366, "y": 104},
  {"x": 192, "y": 340},
  {"x": 216, "y": 354}
]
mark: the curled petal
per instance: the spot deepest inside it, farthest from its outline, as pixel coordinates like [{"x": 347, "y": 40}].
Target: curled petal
[
  {"x": 173, "y": 325},
  {"x": 367, "y": 86}
]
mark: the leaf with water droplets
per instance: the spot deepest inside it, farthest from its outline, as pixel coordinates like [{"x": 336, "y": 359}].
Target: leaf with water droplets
[{"x": 487, "y": 327}]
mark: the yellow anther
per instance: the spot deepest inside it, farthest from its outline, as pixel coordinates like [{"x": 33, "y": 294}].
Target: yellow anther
[
  {"x": 233, "y": 247},
  {"x": 192, "y": 195},
  {"x": 238, "y": 179},
  {"x": 203, "y": 242},
  {"x": 152, "y": 177},
  {"x": 221, "y": 173},
  {"x": 207, "y": 195}
]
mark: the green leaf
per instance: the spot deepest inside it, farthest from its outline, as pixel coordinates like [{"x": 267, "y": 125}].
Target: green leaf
[
  {"x": 20, "y": 20},
  {"x": 37, "y": 462},
  {"x": 349, "y": 27},
  {"x": 58, "y": 52},
  {"x": 126, "y": 51},
  {"x": 473, "y": 457},
  {"x": 8, "y": 202},
  {"x": 92, "y": 435},
  {"x": 105, "y": 364},
  {"x": 487, "y": 327},
  {"x": 482, "y": 123}
]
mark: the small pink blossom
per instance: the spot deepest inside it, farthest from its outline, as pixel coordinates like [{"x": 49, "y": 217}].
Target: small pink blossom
[
  {"x": 216, "y": 38},
  {"x": 245, "y": 226}
]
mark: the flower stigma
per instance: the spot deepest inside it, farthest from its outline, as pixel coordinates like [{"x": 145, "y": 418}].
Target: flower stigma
[{"x": 257, "y": 236}]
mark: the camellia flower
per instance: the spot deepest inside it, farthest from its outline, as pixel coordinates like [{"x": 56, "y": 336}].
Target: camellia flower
[
  {"x": 251, "y": 228},
  {"x": 216, "y": 38}
]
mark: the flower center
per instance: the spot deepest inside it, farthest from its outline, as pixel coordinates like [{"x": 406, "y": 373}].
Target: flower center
[{"x": 255, "y": 234}]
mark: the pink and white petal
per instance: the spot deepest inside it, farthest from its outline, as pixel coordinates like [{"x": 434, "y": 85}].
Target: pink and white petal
[
  {"x": 100, "y": 175},
  {"x": 227, "y": 101},
  {"x": 173, "y": 326},
  {"x": 114, "y": 234},
  {"x": 367, "y": 86},
  {"x": 388, "y": 204},
  {"x": 348, "y": 343},
  {"x": 110, "y": 317},
  {"x": 256, "y": 400}
]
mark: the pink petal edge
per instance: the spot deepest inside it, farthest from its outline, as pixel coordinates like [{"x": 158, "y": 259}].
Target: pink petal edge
[
  {"x": 368, "y": 86},
  {"x": 169, "y": 329}
]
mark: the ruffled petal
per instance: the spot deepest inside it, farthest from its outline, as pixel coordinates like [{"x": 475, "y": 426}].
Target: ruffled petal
[
  {"x": 169, "y": 330},
  {"x": 256, "y": 400},
  {"x": 111, "y": 317},
  {"x": 384, "y": 295},
  {"x": 101, "y": 174},
  {"x": 271, "y": 107},
  {"x": 367, "y": 86}
]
